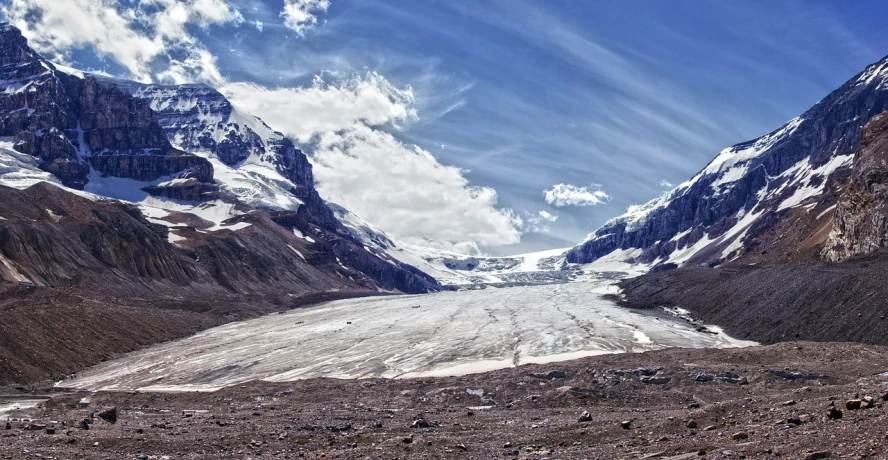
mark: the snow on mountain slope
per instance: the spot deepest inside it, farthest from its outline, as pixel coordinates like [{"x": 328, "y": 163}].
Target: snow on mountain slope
[
  {"x": 748, "y": 188},
  {"x": 251, "y": 161}
]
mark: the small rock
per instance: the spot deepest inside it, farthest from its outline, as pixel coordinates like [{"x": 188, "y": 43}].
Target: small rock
[
  {"x": 853, "y": 404},
  {"x": 692, "y": 424},
  {"x": 140, "y": 431},
  {"x": 407, "y": 440},
  {"x": 656, "y": 380},
  {"x": 462, "y": 447},
  {"x": 50, "y": 431},
  {"x": 885, "y": 396},
  {"x": 8, "y": 426},
  {"x": 709, "y": 428},
  {"x": 694, "y": 405},
  {"x": 109, "y": 415},
  {"x": 626, "y": 424},
  {"x": 507, "y": 445},
  {"x": 421, "y": 423},
  {"x": 819, "y": 455},
  {"x": 142, "y": 457},
  {"x": 791, "y": 402},
  {"x": 794, "y": 419},
  {"x": 551, "y": 375},
  {"x": 868, "y": 402},
  {"x": 740, "y": 436},
  {"x": 84, "y": 424},
  {"x": 833, "y": 413},
  {"x": 585, "y": 417}
]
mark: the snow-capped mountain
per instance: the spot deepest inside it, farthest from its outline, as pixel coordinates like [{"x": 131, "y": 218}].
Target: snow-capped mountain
[{"x": 750, "y": 195}]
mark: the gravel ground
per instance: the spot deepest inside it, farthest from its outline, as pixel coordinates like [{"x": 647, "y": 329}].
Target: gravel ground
[{"x": 758, "y": 402}]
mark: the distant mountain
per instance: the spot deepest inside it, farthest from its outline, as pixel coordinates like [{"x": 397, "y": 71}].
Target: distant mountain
[
  {"x": 231, "y": 201},
  {"x": 769, "y": 199}
]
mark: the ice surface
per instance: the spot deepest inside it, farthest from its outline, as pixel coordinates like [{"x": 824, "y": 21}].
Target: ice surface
[{"x": 447, "y": 333}]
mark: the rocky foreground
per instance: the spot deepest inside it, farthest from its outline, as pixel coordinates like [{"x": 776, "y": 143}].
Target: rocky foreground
[{"x": 793, "y": 400}]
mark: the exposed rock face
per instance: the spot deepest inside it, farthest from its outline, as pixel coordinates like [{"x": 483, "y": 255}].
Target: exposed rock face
[
  {"x": 744, "y": 192},
  {"x": 71, "y": 123},
  {"x": 860, "y": 223}
]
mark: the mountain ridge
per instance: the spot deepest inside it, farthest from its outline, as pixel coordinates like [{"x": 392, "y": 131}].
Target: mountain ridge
[{"x": 732, "y": 201}]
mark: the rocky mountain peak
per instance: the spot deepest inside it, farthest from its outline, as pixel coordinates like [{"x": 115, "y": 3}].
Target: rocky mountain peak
[{"x": 719, "y": 214}]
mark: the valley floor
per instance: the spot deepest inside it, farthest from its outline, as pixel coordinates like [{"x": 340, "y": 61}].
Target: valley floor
[{"x": 756, "y": 402}]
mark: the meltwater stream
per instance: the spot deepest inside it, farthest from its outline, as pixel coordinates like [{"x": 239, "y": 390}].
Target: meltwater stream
[{"x": 449, "y": 333}]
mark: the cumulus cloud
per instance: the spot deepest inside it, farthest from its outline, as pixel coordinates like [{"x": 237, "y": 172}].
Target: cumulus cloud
[
  {"x": 562, "y": 195},
  {"x": 301, "y": 15},
  {"x": 666, "y": 184},
  {"x": 548, "y": 216},
  {"x": 134, "y": 36},
  {"x": 332, "y": 102},
  {"x": 406, "y": 191}
]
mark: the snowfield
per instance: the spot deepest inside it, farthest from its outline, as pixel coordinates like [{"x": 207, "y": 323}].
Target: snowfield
[{"x": 448, "y": 333}]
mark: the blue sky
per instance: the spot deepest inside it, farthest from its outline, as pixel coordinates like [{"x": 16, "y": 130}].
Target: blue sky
[{"x": 603, "y": 104}]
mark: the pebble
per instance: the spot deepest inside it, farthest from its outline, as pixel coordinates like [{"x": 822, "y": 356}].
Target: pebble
[
  {"x": 626, "y": 424},
  {"x": 853, "y": 404},
  {"x": 585, "y": 417},
  {"x": 739, "y": 436},
  {"x": 692, "y": 424}
]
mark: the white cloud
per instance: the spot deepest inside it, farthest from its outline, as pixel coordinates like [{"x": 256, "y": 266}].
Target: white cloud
[
  {"x": 561, "y": 195},
  {"x": 548, "y": 216},
  {"x": 666, "y": 184},
  {"x": 259, "y": 25},
  {"x": 300, "y": 15},
  {"x": 406, "y": 191},
  {"x": 135, "y": 37},
  {"x": 327, "y": 106}
]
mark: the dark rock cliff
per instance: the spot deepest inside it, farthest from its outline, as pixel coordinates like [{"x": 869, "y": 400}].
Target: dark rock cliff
[
  {"x": 860, "y": 222},
  {"x": 71, "y": 123}
]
